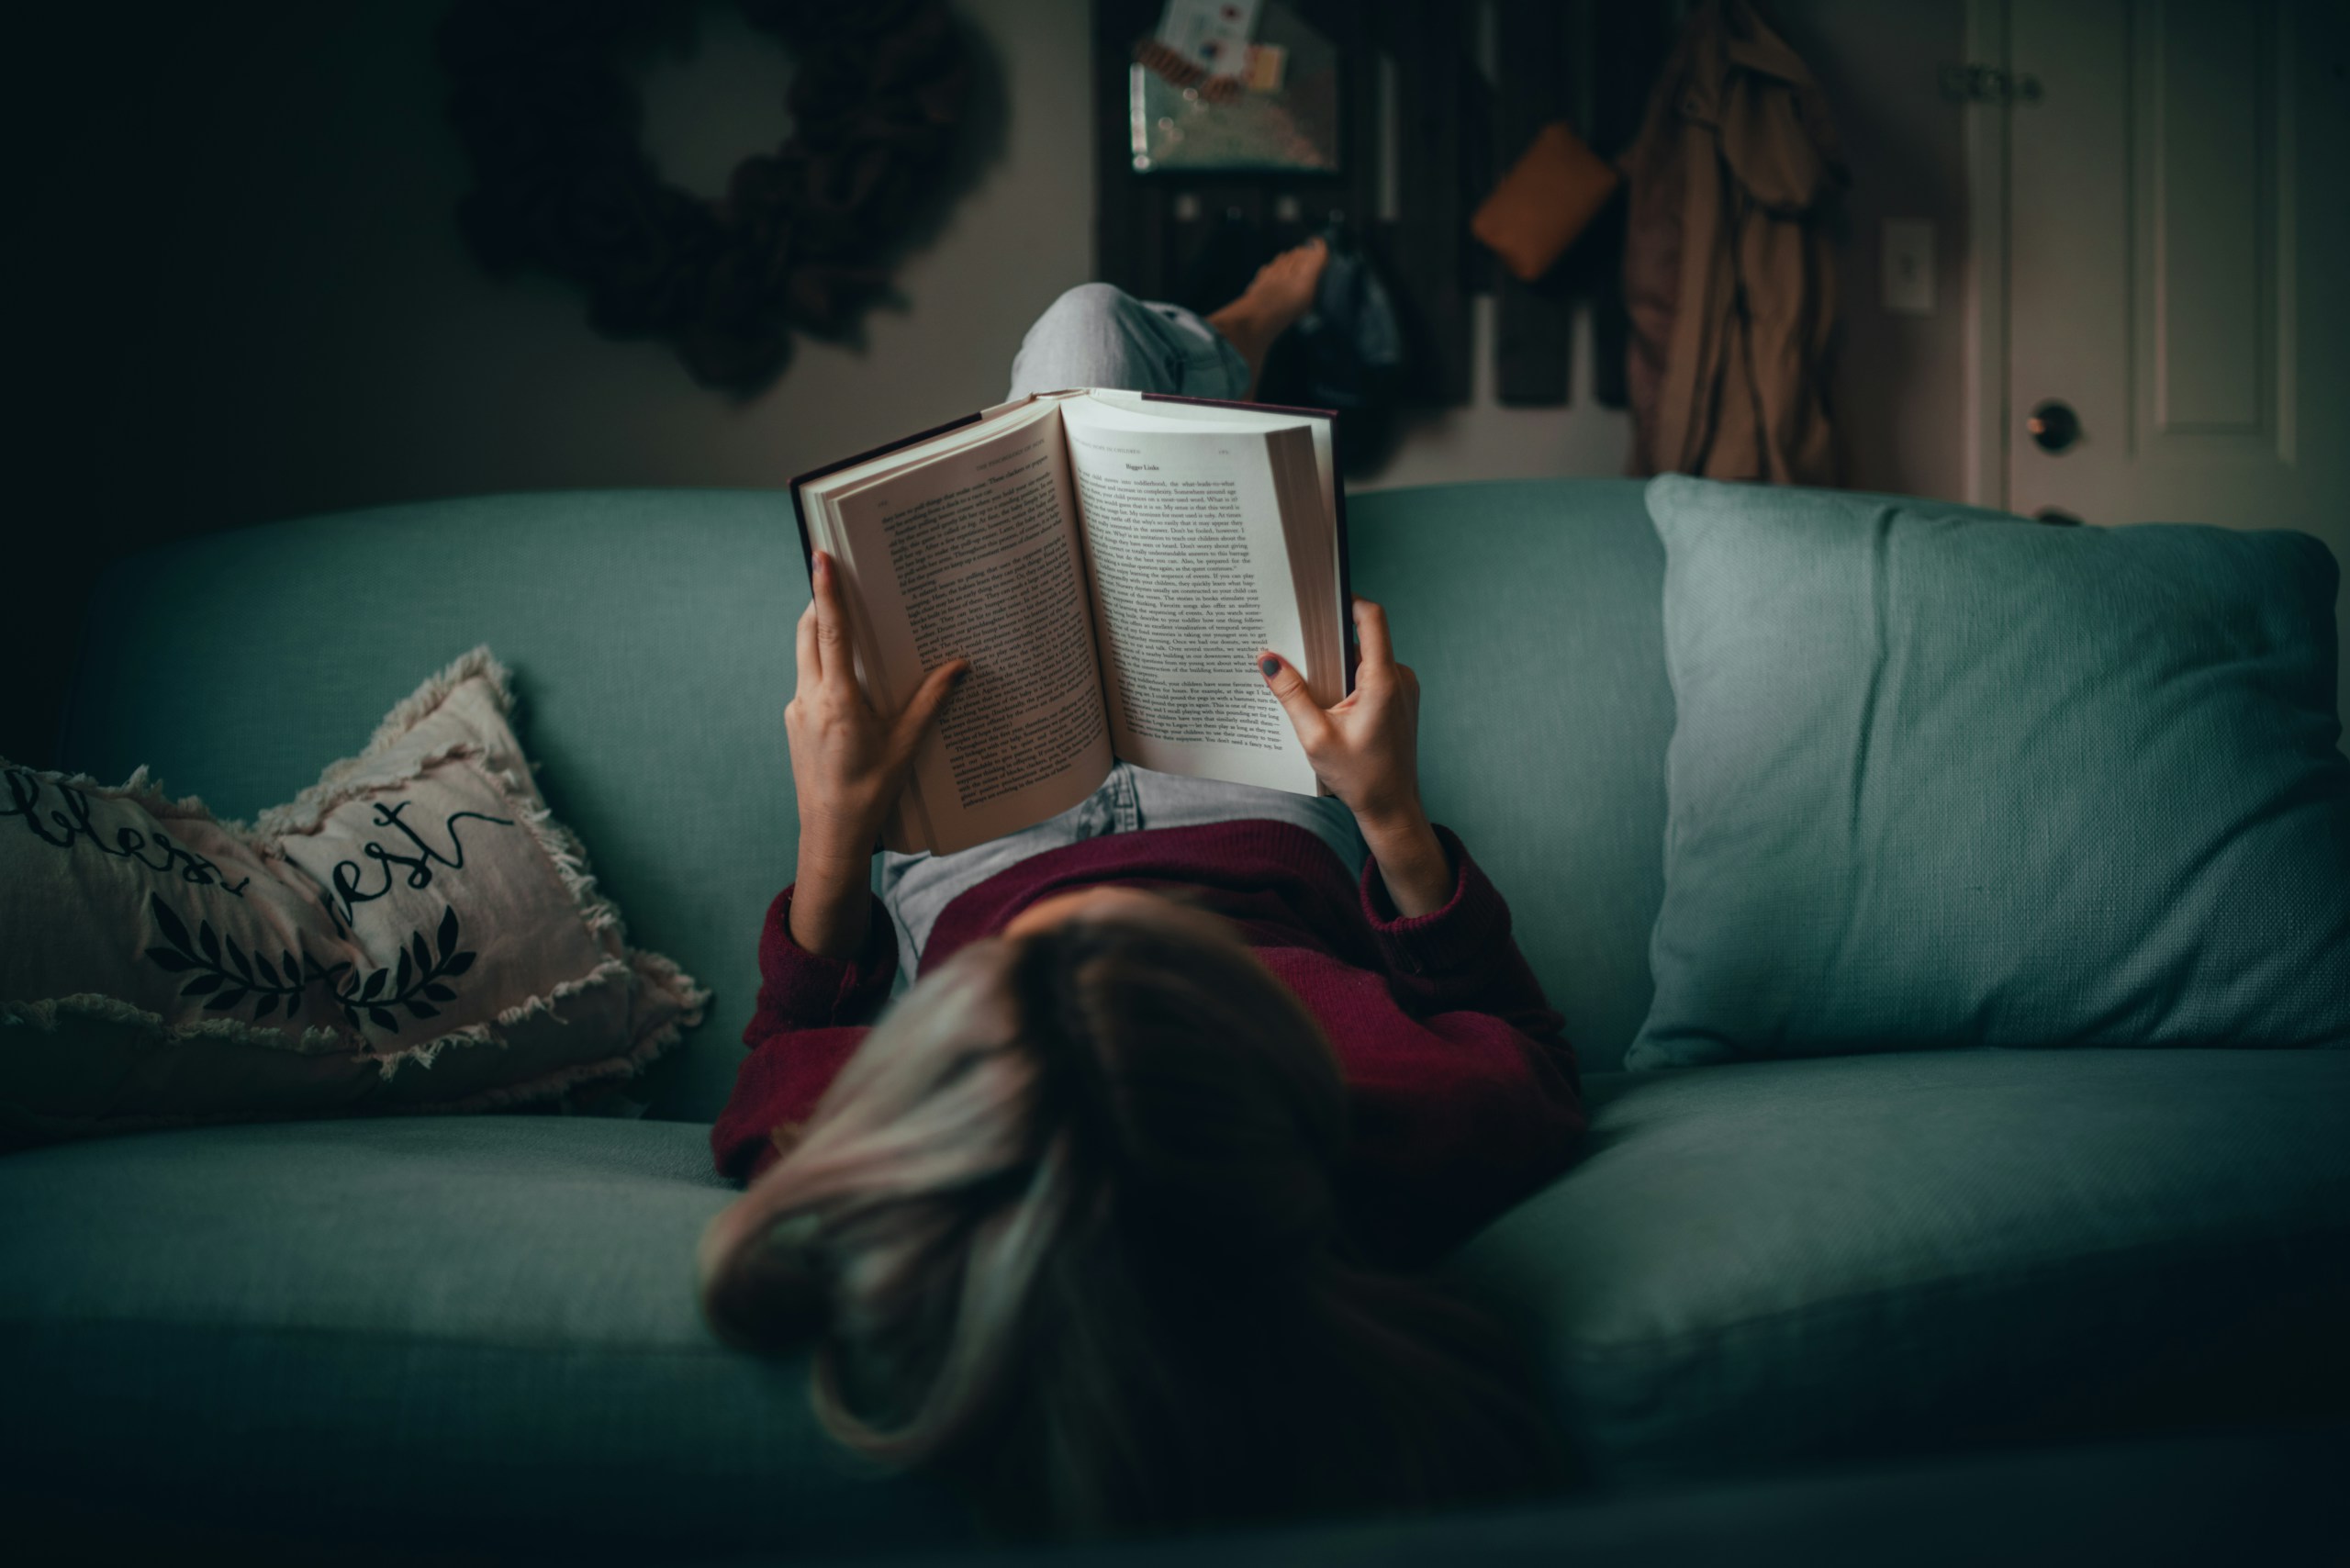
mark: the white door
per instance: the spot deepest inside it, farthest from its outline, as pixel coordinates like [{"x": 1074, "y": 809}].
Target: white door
[{"x": 2178, "y": 253}]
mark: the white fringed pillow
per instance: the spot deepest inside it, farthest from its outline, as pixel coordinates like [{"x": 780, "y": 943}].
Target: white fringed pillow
[{"x": 413, "y": 933}]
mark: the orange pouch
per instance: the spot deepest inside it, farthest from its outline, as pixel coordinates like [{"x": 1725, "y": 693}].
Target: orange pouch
[{"x": 1546, "y": 198}]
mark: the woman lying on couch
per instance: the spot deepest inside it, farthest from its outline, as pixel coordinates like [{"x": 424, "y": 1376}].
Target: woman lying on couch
[{"x": 1104, "y": 1218}]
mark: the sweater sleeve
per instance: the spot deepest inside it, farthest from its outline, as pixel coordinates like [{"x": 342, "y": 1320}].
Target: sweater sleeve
[
  {"x": 812, "y": 1015},
  {"x": 1461, "y": 957},
  {"x": 1470, "y": 1098}
]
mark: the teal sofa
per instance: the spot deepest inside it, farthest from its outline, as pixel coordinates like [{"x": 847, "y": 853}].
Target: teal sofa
[{"x": 481, "y": 1330}]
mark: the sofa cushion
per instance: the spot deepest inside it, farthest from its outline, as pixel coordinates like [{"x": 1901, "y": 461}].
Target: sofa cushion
[
  {"x": 435, "y": 1328},
  {"x": 1530, "y": 611},
  {"x": 607, "y": 606},
  {"x": 1529, "y": 608},
  {"x": 418, "y": 1327},
  {"x": 1767, "y": 1262},
  {"x": 1943, "y": 777}
]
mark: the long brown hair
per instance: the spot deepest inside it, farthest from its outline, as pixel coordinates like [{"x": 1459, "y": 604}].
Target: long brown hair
[{"x": 1066, "y": 1230}]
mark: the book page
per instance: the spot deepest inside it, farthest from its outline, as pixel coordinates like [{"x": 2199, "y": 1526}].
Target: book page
[
  {"x": 977, "y": 553},
  {"x": 1314, "y": 546},
  {"x": 1191, "y": 578},
  {"x": 1326, "y": 456}
]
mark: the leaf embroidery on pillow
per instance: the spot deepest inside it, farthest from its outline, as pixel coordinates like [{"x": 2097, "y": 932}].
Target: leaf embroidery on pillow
[
  {"x": 413, "y": 984},
  {"x": 226, "y": 975},
  {"x": 72, "y": 824},
  {"x": 342, "y": 903}
]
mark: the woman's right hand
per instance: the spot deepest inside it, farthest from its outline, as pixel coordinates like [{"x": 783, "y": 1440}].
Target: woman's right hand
[{"x": 1367, "y": 748}]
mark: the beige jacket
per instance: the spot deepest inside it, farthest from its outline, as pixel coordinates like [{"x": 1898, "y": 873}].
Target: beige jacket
[{"x": 1728, "y": 277}]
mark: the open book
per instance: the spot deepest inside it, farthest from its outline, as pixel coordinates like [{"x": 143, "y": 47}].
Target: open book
[{"x": 1111, "y": 563}]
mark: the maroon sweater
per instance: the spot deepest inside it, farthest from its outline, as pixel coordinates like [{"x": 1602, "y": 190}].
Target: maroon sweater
[{"x": 1463, "y": 1097}]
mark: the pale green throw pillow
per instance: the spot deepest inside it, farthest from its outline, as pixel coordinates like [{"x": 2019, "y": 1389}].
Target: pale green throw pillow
[{"x": 1941, "y": 778}]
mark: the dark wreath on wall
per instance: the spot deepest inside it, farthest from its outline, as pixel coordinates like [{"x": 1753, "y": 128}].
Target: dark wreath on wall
[{"x": 802, "y": 238}]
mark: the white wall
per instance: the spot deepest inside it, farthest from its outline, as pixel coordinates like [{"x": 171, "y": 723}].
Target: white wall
[
  {"x": 322, "y": 339},
  {"x": 241, "y": 293},
  {"x": 1900, "y": 392},
  {"x": 1488, "y": 441}
]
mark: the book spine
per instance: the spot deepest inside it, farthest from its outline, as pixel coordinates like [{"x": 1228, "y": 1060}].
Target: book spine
[{"x": 1346, "y": 568}]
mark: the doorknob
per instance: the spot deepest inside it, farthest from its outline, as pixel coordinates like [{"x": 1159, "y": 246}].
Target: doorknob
[{"x": 2053, "y": 426}]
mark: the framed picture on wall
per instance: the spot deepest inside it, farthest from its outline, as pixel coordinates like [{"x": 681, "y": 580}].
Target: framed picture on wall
[{"x": 1199, "y": 102}]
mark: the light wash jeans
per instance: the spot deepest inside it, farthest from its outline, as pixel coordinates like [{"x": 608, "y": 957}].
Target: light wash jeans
[{"x": 1098, "y": 336}]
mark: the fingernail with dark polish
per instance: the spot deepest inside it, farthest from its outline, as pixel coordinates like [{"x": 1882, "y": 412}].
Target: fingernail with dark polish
[{"x": 1270, "y": 666}]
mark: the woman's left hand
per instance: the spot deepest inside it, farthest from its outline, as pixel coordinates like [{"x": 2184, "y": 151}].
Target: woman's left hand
[{"x": 849, "y": 764}]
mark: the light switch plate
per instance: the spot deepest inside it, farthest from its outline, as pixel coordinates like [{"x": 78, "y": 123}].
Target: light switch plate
[{"x": 1907, "y": 281}]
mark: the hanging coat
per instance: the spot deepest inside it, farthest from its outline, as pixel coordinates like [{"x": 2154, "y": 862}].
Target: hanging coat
[{"x": 1728, "y": 281}]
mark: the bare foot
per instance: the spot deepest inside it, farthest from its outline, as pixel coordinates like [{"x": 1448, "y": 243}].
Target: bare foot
[{"x": 1281, "y": 291}]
